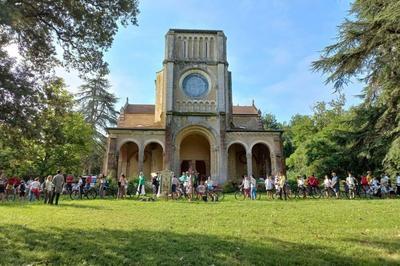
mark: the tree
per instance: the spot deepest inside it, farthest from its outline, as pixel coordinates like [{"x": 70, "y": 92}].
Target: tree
[
  {"x": 368, "y": 49},
  {"x": 63, "y": 140},
  {"x": 270, "y": 122},
  {"x": 97, "y": 105},
  {"x": 82, "y": 29}
]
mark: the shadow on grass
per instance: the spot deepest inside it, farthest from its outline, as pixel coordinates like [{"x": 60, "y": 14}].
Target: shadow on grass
[
  {"x": 390, "y": 246},
  {"x": 22, "y": 245}
]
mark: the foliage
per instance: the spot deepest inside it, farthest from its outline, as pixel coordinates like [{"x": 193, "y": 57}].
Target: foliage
[
  {"x": 114, "y": 232},
  {"x": 62, "y": 140},
  {"x": 97, "y": 105},
  {"x": 368, "y": 48},
  {"x": 270, "y": 122},
  {"x": 79, "y": 31}
]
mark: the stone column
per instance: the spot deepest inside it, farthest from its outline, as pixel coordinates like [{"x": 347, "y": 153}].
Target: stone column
[
  {"x": 140, "y": 159},
  {"x": 111, "y": 163},
  {"x": 249, "y": 164}
]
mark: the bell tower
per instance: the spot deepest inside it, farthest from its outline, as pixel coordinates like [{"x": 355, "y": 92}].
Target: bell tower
[{"x": 194, "y": 86}]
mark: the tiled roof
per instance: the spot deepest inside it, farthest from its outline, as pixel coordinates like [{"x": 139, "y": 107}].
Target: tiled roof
[
  {"x": 244, "y": 110},
  {"x": 140, "y": 109}
]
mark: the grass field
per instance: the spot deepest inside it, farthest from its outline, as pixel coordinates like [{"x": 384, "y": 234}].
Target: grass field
[{"x": 313, "y": 232}]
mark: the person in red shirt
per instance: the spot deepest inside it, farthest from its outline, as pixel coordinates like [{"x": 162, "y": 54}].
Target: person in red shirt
[
  {"x": 69, "y": 181},
  {"x": 364, "y": 183},
  {"x": 88, "y": 181},
  {"x": 312, "y": 181}
]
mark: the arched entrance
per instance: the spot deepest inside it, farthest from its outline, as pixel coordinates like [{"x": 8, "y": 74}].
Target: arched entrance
[
  {"x": 153, "y": 158},
  {"x": 128, "y": 159},
  {"x": 195, "y": 155},
  {"x": 261, "y": 160},
  {"x": 237, "y": 163}
]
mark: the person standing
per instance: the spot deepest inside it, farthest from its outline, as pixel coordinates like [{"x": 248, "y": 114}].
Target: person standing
[
  {"x": 155, "y": 184},
  {"x": 246, "y": 186},
  {"x": 70, "y": 180},
  {"x": 22, "y": 189},
  {"x": 398, "y": 184},
  {"x": 351, "y": 184},
  {"x": 174, "y": 186},
  {"x": 335, "y": 184},
  {"x": 3, "y": 182},
  {"x": 253, "y": 187},
  {"x": 121, "y": 186},
  {"x": 35, "y": 190},
  {"x": 269, "y": 186},
  {"x": 141, "y": 190},
  {"x": 102, "y": 186},
  {"x": 48, "y": 189},
  {"x": 282, "y": 184},
  {"x": 58, "y": 182}
]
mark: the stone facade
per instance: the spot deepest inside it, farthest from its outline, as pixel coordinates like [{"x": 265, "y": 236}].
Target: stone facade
[{"x": 193, "y": 124}]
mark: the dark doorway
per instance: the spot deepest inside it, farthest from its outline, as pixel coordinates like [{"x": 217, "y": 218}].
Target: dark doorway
[
  {"x": 201, "y": 167},
  {"x": 185, "y": 165}
]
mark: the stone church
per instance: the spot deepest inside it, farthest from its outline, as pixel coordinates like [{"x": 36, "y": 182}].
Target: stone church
[{"x": 193, "y": 124}]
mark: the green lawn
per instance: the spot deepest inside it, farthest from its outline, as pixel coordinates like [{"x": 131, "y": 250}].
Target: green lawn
[{"x": 313, "y": 232}]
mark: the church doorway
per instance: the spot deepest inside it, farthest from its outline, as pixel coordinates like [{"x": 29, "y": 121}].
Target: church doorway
[
  {"x": 195, "y": 155},
  {"x": 261, "y": 160},
  {"x": 128, "y": 160},
  {"x": 153, "y": 158},
  {"x": 237, "y": 162}
]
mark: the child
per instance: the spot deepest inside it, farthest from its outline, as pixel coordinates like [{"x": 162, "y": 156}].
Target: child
[{"x": 201, "y": 191}]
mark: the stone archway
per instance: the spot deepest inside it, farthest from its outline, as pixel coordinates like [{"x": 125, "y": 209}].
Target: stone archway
[
  {"x": 196, "y": 149},
  {"x": 237, "y": 161},
  {"x": 195, "y": 155},
  {"x": 128, "y": 159},
  {"x": 261, "y": 160},
  {"x": 153, "y": 158}
]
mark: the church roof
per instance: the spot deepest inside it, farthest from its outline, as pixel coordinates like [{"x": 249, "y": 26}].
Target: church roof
[
  {"x": 244, "y": 110},
  {"x": 140, "y": 109}
]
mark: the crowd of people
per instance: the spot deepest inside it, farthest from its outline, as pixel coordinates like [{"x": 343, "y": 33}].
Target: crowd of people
[
  {"x": 51, "y": 187},
  {"x": 190, "y": 182}
]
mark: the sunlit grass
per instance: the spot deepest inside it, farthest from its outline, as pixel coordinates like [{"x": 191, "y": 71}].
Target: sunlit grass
[{"x": 230, "y": 232}]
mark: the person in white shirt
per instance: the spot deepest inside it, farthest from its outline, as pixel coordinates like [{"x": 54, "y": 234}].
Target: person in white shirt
[
  {"x": 351, "y": 184},
  {"x": 385, "y": 183},
  {"x": 327, "y": 185},
  {"x": 300, "y": 182},
  {"x": 327, "y": 182},
  {"x": 246, "y": 186},
  {"x": 35, "y": 189}
]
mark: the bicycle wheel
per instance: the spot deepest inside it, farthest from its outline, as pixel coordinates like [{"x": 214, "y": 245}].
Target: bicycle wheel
[
  {"x": 221, "y": 195},
  {"x": 75, "y": 195},
  {"x": 91, "y": 194},
  {"x": 239, "y": 195},
  {"x": 316, "y": 193},
  {"x": 10, "y": 197}
]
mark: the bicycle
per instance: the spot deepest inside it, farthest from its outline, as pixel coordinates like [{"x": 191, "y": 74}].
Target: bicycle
[
  {"x": 241, "y": 195},
  {"x": 89, "y": 193}
]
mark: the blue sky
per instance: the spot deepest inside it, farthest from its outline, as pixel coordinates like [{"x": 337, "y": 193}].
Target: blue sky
[{"x": 271, "y": 44}]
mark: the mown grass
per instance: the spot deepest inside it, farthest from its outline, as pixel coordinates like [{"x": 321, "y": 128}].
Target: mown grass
[{"x": 105, "y": 232}]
